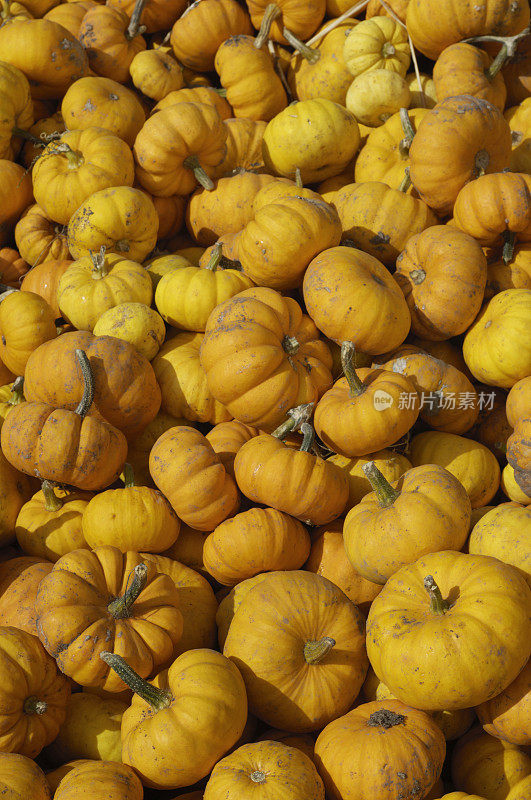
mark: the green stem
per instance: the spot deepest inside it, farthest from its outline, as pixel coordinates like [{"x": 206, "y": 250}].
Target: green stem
[
  {"x": 158, "y": 699},
  {"x": 88, "y": 381},
  {"x": 356, "y": 386},
  {"x": 75, "y": 160},
  {"x": 311, "y": 54},
  {"x": 51, "y": 501},
  {"x": 507, "y": 50},
  {"x": 271, "y": 13},
  {"x": 508, "y": 246},
  {"x": 27, "y": 136},
  {"x": 215, "y": 257},
  {"x": 315, "y": 651},
  {"x": 135, "y": 28},
  {"x": 405, "y": 183},
  {"x": 381, "y": 486},
  {"x": 409, "y": 133},
  {"x": 298, "y": 178},
  {"x": 192, "y": 162},
  {"x": 308, "y": 436},
  {"x": 296, "y": 417},
  {"x": 129, "y": 476},
  {"x": 17, "y": 392},
  {"x": 121, "y": 607},
  {"x": 438, "y": 605},
  {"x": 32, "y": 705}
]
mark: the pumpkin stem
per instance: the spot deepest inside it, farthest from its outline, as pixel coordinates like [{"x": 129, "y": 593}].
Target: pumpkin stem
[
  {"x": 507, "y": 50},
  {"x": 75, "y": 160},
  {"x": 383, "y": 718},
  {"x": 192, "y": 162},
  {"x": 308, "y": 435},
  {"x": 417, "y": 276},
  {"x": 121, "y": 607},
  {"x": 221, "y": 91},
  {"x": 296, "y": 416},
  {"x": 32, "y": 705},
  {"x": 129, "y": 476},
  {"x": 315, "y": 651},
  {"x": 290, "y": 345},
  {"x": 311, "y": 54},
  {"x": 215, "y": 257},
  {"x": 158, "y": 699},
  {"x": 388, "y": 50},
  {"x": 405, "y": 183},
  {"x": 508, "y": 246},
  {"x": 271, "y": 13},
  {"x": 384, "y": 491},
  {"x": 135, "y": 28},
  {"x": 99, "y": 268},
  {"x": 481, "y": 162},
  {"x": 298, "y": 178},
  {"x": 356, "y": 386},
  {"x": 257, "y": 776},
  {"x": 27, "y": 136},
  {"x": 51, "y": 501},
  {"x": 438, "y": 605},
  {"x": 88, "y": 380},
  {"x": 17, "y": 392},
  {"x": 409, "y": 133}
]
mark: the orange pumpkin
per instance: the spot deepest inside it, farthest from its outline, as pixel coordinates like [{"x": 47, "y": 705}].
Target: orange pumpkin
[
  {"x": 464, "y": 69},
  {"x": 383, "y": 532},
  {"x": 353, "y": 753},
  {"x": 15, "y": 196},
  {"x": 189, "y": 473},
  {"x": 65, "y": 446},
  {"x": 351, "y": 296},
  {"x": 22, "y": 777},
  {"x": 294, "y": 365},
  {"x": 19, "y": 582},
  {"x": 87, "y": 604},
  {"x": 254, "y": 541},
  {"x": 367, "y": 410},
  {"x": 460, "y": 139},
  {"x": 441, "y": 304},
  {"x": 298, "y": 642},
  {"x": 38, "y": 238},
  {"x": 178, "y": 147},
  {"x": 111, "y": 39}
]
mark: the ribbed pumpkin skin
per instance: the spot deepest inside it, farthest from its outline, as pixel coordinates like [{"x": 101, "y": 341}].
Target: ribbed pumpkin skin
[
  {"x": 359, "y": 758},
  {"x": 432, "y": 513},
  {"x": 488, "y": 766},
  {"x": 407, "y": 642},
  {"x": 266, "y": 640},
  {"x": 258, "y": 540},
  {"x": 299, "y": 483},
  {"x": 268, "y": 770},
  {"x": 21, "y": 777},
  {"x": 508, "y": 715},
  {"x": 434, "y": 26},
  {"x": 75, "y": 625},
  {"x": 29, "y": 672},
  {"x": 185, "y": 740},
  {"x": 250, "y": 365},
  {"x": 454, "y": 141},
  {"x": 104, "y": 778}
]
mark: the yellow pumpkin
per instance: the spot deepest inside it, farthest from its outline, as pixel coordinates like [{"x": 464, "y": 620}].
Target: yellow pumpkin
[
  {"x": 484, "y": 765},
  {"x": 94, "y": 284},
  {"x": 376, "y": 95},
  {"x": 511, "y": 487},
  {"x": 121, "y": 219},
  {"x": 519, "y": 119},
  {"x": 76, "y": 165},
  {"x": 135, "y": 323},
  {"x": 377, "y": 43},
  {"x": 26, "y": 321},
  {"x": 473, "y": 464},
  {"x": 91, "y": 730},
  {"x": 318, "y": 137},
  {"x": 183, "y": 382},
  {"x": 156, "y": 74},
  {"x": 497, "y": 347},
  {"x": 504, "y": 532},
  {"x": 186, "y": 297}
]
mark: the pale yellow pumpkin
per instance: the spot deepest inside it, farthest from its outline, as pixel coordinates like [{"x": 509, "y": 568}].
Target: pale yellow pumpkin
[{"x": 135, "y": 323}]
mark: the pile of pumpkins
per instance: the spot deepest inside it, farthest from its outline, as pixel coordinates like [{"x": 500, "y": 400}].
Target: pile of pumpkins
[{"x": 265, "y": 400}]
